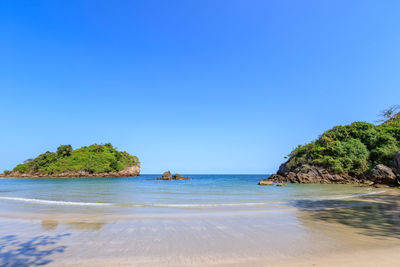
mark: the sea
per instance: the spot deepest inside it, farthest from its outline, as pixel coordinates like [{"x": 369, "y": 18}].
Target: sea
[{"x": 134, "y": 194}]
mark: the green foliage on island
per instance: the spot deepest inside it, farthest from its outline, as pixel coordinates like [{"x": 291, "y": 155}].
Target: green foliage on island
[
  {"x": 93, "y": 159},
  {"x": 354, "y": 148}
]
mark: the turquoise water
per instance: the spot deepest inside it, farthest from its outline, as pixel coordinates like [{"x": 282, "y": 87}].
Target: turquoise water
[{"x": 132, "y": 194}]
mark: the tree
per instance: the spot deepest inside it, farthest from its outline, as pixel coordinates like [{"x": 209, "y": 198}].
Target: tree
[
  {"x": 27, "y": 161},
  {"x": 64, "y": 151},
  {"x": 389, "y": 114}
]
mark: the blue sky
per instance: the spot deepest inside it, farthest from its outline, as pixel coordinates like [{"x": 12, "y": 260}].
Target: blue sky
[{"x": 192, "y": 86}]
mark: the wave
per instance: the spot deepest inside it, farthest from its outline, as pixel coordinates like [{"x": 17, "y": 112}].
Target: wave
[
  {"x": 54, "y": 202},
  {"x": 72, "y": 203}
]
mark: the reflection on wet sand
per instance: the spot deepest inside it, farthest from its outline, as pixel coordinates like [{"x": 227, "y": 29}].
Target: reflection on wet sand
[
  {"x": 86, "y": 226},
  {"x": 373, "y": 215},
  {"x": 49, "y": 225}
]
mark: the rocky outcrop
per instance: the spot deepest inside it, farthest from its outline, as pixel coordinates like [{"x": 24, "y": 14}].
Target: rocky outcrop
[
  {"x": 127, "y": 172},
  {"x": 382, "y": 174},
  {"x": 168, "y": 176},
  {"x": 265, "y": 182},
  {"x": 130, "y": 171},
  {"x": 306, "y": 174},
  {"x": 269, "y": 182},
  {"x": 397, "y": 162},
  {"x": 178, "y": 176}
]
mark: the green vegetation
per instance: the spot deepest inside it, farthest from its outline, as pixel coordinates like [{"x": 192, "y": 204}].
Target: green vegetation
[
  {"x": 354, "y": 148},
  {"x": 93, "y": 159}
]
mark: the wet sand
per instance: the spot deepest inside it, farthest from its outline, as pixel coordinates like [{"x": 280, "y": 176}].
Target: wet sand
[{"x": 362, "y": 231}]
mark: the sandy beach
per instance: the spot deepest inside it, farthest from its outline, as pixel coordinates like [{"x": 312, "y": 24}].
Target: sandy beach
[{"x": 354, "y": 231}]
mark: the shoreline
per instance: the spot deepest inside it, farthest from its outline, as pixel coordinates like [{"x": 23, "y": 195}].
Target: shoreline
[{"x": 95, "y": 175}]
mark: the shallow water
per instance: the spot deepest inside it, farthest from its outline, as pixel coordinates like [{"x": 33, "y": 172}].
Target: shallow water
[{"x": 122, "y": 195}]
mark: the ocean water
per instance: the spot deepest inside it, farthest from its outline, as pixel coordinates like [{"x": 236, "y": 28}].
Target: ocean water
[{"x": 128, "y": 195}]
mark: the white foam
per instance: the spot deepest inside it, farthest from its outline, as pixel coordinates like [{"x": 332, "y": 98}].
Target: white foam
[
  {"x": 54, "y": 202},
  {"x": 71, "y": 203}
]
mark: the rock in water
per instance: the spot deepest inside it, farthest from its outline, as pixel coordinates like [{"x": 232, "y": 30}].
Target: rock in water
[
  {"x": 382, "y": 174},
  {"x": 265, "y": 182},
  {"x": 167, "y": 175},
  {"x": 178, "y": 176}
]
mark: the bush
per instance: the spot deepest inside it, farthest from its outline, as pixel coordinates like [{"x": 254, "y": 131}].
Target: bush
[
  {"x": 348, "y": 156},
  {"x": 64, "y": 151}
]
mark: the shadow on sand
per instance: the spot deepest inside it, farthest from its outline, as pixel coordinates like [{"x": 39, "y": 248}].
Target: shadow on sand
[
  {"x": 373, "y": 215},
  {"x": 34, "y": 252}
]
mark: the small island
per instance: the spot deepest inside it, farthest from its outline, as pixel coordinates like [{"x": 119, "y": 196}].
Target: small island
[
  {"x": 89, "y": 161},
  {"x": 357, "y": 153}
]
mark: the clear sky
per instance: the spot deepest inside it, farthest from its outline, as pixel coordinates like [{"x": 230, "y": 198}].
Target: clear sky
[{"x": 192, "y": 86}]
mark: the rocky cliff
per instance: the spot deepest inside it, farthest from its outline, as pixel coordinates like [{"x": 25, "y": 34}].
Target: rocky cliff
[{"x": 305, "y": 173}]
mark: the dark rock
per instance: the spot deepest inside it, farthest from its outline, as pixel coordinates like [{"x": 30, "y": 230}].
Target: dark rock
[
  {"x": 304, "y": 173},
  {"x": 281, "y": 185},
  {"x": 178, "y": 176},
  {"x": 382, "y": 174},
  {"x": 265, "y": 182},
  {"x": 397, "y": 162},
  {"x": 167, "y": 175},
  {"x": 283, "y": 169},
  {"x": 289, "y": 172}
]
